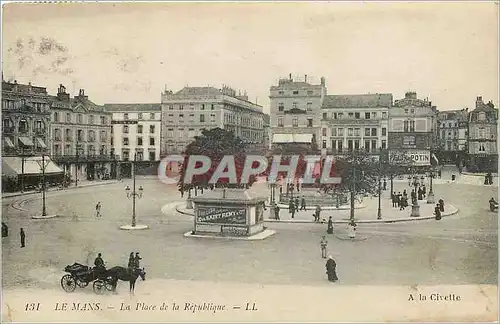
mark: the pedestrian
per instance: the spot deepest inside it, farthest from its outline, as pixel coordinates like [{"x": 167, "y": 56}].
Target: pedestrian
[
  {"x": 296, "y": 204},
  {"x": 131, "y": 260},
  {"x": 420, "y": 193},
  {"x": 437, "y": 212},
  {"x": 331, "y": 269},
  {"x": 323, "y": 244},
  {"x": 291, "y": 208},
  {"x": 99, "y": 265},
  {"x": 403, "y": 203},
  {"x": 409, "y": 181},
  {"x": 399, "y": 200},
  {"x": 329, "y": 229},
  {"x": 405, "y": 194},
  {"x": 303, "y": 203},
  {"x": 385, "y": 185},
  {"x": 441, "y": 204},
  {"x": 23, "y": 237},
  {"x": 424, "y": 191},
  {"x": 394, "y": 200},
  {"x": 137, "y": 260},
  {"x": 276, "y": 212},
  {"x": 98, "y": 209},
  {"x": 318, "y": 213}
]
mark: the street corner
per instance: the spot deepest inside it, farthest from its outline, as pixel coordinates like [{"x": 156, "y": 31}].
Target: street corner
[{"x": 181, "y": 209}]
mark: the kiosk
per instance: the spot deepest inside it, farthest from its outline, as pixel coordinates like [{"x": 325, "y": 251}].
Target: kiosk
[{"x": 229, "y": 212}]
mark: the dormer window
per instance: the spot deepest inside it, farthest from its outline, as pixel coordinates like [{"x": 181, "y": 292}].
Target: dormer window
[{"x": 481, "y": 116}]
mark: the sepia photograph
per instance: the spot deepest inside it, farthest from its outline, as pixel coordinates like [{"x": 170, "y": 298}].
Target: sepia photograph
[{"x": 250, "y": 161}]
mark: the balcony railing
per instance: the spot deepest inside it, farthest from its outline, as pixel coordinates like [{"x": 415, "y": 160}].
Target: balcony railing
[
  {"x": 8, "y": 130},
  {"x": 85, "y": 158},
  {"x": 39, "y": 131}
]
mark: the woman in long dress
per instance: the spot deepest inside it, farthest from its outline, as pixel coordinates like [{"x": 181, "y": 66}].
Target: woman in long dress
[
  {"x": 331, "y": 269},
  {"x": 352, "y": 230}
]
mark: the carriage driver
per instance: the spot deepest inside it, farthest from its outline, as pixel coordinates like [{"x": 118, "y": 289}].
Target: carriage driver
[{"x": 99, "y": 265}]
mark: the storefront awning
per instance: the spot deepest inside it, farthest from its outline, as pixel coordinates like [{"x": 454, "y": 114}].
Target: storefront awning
[
  {"x": 8, "y": 142},
  {"x": 7, "y": 171},
  {"x": 26, "y": 141},
  {"x": 32, "y": 165},
  {"x": 41, "y": 143},
  {"x": 292, "y": 138}
]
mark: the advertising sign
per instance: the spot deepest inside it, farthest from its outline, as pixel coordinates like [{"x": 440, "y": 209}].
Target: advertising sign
[
  {"x": 420, "y": 158},
  {"x": 218, "y": 215}
]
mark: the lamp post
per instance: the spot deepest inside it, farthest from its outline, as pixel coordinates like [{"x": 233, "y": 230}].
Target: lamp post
[
  {"x": 43, "y": 164},
  {"x": 379, "y": 211},
  {"x": 76, "y": 163},
  {"x": 134, "y": 194},
  {"x": 430, "y": 195}
]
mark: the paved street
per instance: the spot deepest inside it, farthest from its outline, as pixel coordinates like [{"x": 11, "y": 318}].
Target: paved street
[{"x": 460, "y": 249}]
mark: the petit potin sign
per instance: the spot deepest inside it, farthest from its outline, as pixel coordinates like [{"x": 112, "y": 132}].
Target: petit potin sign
[
  {"x": 418, "y": 157},
  {"x": 215, "y": 215}
]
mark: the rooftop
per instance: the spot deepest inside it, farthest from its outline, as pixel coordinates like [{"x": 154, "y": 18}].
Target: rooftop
[
  {"x": 132, "y": 107},
  {"x": 24, "y": 88},
  {"x": 199, "y": 91},
  {"x": 358, "y": 101}
]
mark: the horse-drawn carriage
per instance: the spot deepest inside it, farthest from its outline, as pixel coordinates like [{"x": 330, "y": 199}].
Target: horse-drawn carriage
[{"x": 81, "y": 275}]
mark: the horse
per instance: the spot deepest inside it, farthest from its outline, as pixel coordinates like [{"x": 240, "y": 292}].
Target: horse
[{"x": 125, "y": 274}]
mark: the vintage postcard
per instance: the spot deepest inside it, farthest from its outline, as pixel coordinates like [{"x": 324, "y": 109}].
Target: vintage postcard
[{"x": 250, "y": 162}]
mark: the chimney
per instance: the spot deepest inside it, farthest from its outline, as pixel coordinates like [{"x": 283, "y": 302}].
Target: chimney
[
  {"x": 305, "y": 78},
  {"x": 479, "y": 102},
  {"x": 323, "y": 81},
  {"x": 290, "y": 76}
]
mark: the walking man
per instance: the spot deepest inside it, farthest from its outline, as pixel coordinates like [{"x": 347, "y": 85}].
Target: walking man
[
  {"x": 98, "y": 209},
  {"x": 23, "y": 238},
  {"x": 318, "y": 213},
  {"x": 291, "y": 208},
  {"x": 303, "y": 203},
  {"x": 296, "y": 204},
  {"x": 276, "y": 212},
  {"x": 323, "y": 244}
]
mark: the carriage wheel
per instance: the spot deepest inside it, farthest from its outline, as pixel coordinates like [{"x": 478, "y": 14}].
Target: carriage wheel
[
  {"x": 108, "y": 283},
  {"x": 81, "y": 284},
  {"x": 68, "y": 283},
  {"x": 99, "y": 287}
]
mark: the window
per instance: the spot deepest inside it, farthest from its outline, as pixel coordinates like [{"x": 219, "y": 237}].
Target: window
[
  {"x": 103, "y": 120},
  {"x": 309, "y": 122},
  {"x": 367, "y": 132},
  {"x": 103, "y": 136},
  {"x": 181, "y": 115},
  {"x": 406, "y": 111},
  {"x": 309, "y": 106},
  {"x": 349, "y": 145},
  {"x": 125, "y": 116},
  {"x": 202, "y": 106},
  {"x": 281, "y": 92},
  {"x": 125, "y": 141},
  {"x": 280, "y": 121},
  {"x": 384, "y": 144},
  {"x": 125, "y": 155},
  {"x": 56, "y": 117},
  {"x": 151, "y": 141},
  {"x": 139, "y": 141},
  {"x": 294, "y": 105},
  {"x": 324, "y": 144},
  {"x": 80, "y": 135},
  {"x": 341, "y": 115},
  {"x": 357, "y": 115},
  {"x": 139, "y": 115},
  {"x": 212, "y": 107},
  {"x": 367, "y": 146},
  {"x": 349, "y": 132},
  {"x": 57, "y": 134},
  {"x": 170, "y": 132},
  {"x": 412, "y": 126},
  {"x": 333, "y": 131},
  {"x": 325, "y": 115},
  {"x": 384, "y": 131},
  {"x": 357, "y": 132},
  {"x": 412, "y": 111},
  {"x": 151, "y": 129},
  {"x": 480, "y": 132},
  {"x": 356, "y": 144},
  {"x": 212, "y": 118},
  {"x": 374, "y": 145},
  {"x": 295, "y": 122},
  {"x": 384, "y": 115},
  {"x": 125, "y": 129},
  {"x": 324, "y": 131},
  {"x": 409, "y": 141},
  {"x": 152, "y": 155},
  {"x": 170, "y": 107},
  {"x": 374, "y": 132},
  {"x": 191, "y": 133},
  {"x": 202, "y": 118},
  {"x": 339, "y": 146},
  {"x": 295, "y": 92},
  {"x": 139, "y": 129},
  {"x": 181, "y": 107},
  {"x": 350, "y": 115},
  {"x": 374, "y": 114},
  {"x": 335, "y": 115},
  {"x": 67, "y": 135},
  {"x": 367, "y": 115},
  {"x": 281, "y": 106},
  {"x": 309, "y": 92},
  {"x": 91, "y": 136}
]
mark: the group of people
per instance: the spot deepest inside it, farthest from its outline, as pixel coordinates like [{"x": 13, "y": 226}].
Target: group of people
[
  {"x": 293, "y": 205},
  {"x": 133, "y": 262}
]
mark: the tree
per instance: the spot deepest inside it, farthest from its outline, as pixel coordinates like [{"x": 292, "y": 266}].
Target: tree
[
  {"x": 215, "y": 143},
  {"x": 359, "y": 174},
  {"x": 394, "y": 163}
]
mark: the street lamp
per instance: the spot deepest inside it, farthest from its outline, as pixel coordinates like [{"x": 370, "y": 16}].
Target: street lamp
[
  {"x": 76, "y": 163},
  {"x": 379, "y": 211},
  {"x": 430, "y": 195},
  {"x": 43, "y": 164},
  {"x": 134, "y": 194}
]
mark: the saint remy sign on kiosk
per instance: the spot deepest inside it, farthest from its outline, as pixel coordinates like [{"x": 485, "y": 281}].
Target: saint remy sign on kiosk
[{"x": 229, "y": 212}]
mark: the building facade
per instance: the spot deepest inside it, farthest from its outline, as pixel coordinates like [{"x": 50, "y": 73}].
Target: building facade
[
  {"x": 187, "y": 112},
  {"x": 81, "y": 137},
  {"x": 355, "y": 122},
  {"x": 136, "y": 134},
  {"x": 483, "y": 134},
  {"x": 295, "y": 113},
  {"x": 25, "y": 119},
  {"x": 413, "y": 128},
  {"x": 452, "y": 136}
]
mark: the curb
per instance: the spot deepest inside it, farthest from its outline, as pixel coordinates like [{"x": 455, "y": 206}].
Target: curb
[
  {"x": 257, "y": 237},
  {"x": 359, "y": 221},
  {"x": 344, "y": 207},
  {"x": 44, "y": 217},
  {"x": 28, "y": 193}
]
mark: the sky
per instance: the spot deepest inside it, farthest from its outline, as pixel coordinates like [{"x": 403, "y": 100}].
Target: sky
[{"x": 129, "y": 52}]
